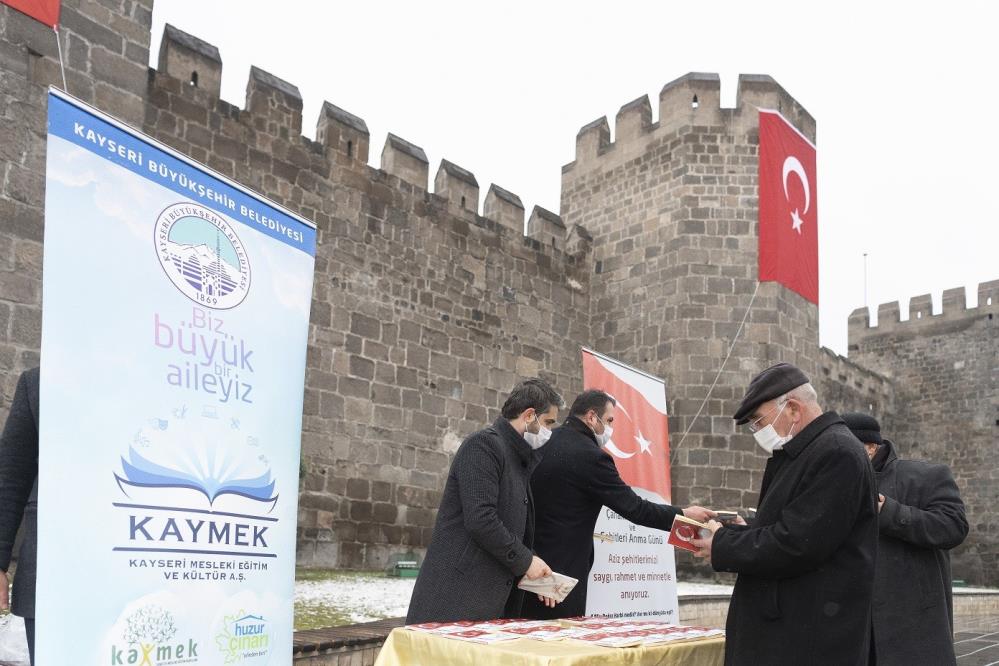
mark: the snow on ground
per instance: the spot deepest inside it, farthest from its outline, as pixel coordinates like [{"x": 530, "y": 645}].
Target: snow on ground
[
  {"x": 363, "y": 597},
  {"x": 344, "y": 598}
]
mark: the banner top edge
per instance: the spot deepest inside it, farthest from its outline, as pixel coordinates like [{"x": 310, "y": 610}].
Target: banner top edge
[
  {"x": 587, "y": 350},
  {"x": 159, "y": 145},
  {"x": 789, "y": 124}
]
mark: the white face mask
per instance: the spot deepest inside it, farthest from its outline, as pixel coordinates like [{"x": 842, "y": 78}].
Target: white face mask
[
  {"x": 604, "y": 437},
  {"x": 769, "y": 440},
  {"x": 537, "y": 439}
]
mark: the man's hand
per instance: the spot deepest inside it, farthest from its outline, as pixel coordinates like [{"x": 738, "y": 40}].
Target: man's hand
[
  {"x": 547, "y": 601},
  {"x": 538, "y": 569},
  {"x": 881, "y": 501},
  {"x": 704, "y": 545},
  {"x": 4, "y": 591},
  {"x": 699, "y": 513}
]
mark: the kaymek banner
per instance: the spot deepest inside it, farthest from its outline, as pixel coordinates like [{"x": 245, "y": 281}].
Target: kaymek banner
[
  {"x": 634, "y": 572},
  {"x": 174, "y": 329}
]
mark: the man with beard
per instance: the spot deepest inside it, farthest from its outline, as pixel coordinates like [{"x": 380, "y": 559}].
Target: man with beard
[
  {"x": 575, "y": 478},
  {"x": 482, "y": 541}
]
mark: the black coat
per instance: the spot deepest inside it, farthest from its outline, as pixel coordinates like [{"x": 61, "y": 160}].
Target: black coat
[
  {"x": 573, "y": 481},
  {"x": 806, "y": 565},
  {"x": 478, "y": 552},
  {"x": 921, "y": 520},
  {"x": 19, "y": 491}
]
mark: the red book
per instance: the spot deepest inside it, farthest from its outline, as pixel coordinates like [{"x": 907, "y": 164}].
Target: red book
[{"x": 684, "y": 530}]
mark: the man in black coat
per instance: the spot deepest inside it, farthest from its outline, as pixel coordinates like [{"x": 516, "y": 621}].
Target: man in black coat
[
  {"x": 921, "y": 517},
  {"x": 482, "y": 541},
  {"x": 806, "y": 564},
  {"x": 18, "y": 500},
  {"x": 575, "y": 478}
]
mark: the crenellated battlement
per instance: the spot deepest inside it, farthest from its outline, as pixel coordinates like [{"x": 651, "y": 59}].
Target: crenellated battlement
[
  {"x": 429, "y": 301},
  {"x": 274, "y": 106},
  {"x": 691, "y": 100},
  {"x": 921, "y": 320}
]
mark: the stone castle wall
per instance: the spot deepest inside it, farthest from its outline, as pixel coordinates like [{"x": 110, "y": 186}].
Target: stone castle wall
[
  {"x": 425, "y": 312},
  {"x": 945, "y": 369}
]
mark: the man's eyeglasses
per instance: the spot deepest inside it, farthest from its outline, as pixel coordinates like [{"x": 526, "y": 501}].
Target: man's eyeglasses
[{"x": 754, "y": 426}]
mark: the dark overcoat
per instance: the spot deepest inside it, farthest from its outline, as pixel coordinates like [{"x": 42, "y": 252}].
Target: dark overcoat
[
  {"x": 806, "y": 564},
  {"x": 574, "y": 479},
  {"x": 921, "y": 520},
  {"x": 477, "y": 553},
  {"x": 19, "y": 491}
]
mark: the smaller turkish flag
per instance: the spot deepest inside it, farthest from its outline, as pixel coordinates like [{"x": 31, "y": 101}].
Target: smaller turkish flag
[
  {"x": 789, "y": 233},
  {"x": 640, "y": 443},
  {"x": 44, "y": 11}
]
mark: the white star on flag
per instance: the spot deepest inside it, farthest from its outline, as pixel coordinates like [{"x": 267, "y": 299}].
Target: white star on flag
[
  {"x": 796, "y": 221},
  {"x": 643, "y": 443}
]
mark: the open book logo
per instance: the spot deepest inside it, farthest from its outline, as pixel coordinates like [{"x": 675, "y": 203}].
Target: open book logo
[{"x": 211, "y": 477}]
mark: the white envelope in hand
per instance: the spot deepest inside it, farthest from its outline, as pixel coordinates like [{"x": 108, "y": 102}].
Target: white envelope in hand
[{"x": 556, "y": 586}]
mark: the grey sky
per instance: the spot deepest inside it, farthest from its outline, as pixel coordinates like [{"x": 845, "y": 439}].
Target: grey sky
[{"x": 903, "y": 98}]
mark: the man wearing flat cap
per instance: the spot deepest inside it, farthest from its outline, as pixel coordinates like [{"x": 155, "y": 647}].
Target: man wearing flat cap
[
  {"x": 921, "y": 517},
  {"x": 806, "y": 563}
]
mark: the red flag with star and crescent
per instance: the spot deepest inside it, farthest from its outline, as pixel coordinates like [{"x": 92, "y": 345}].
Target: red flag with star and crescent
[
  {"x": 789, "y": 234},
  {"x": 640, "y": 440}
]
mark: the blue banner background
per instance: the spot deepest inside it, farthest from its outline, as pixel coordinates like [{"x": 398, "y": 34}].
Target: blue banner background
[{"x": 170, "y": 431}]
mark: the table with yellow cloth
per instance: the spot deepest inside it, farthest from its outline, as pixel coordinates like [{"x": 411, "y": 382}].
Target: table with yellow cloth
[{"x": 405, "y": 647}]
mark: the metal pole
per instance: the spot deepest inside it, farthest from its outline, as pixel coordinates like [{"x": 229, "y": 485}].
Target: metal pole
[{"x": 865, "y": 279}]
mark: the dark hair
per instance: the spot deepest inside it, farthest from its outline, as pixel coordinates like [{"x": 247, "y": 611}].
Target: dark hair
[
  {"x": 536, "y": 393},
  {"x": 594, "y": 399}
]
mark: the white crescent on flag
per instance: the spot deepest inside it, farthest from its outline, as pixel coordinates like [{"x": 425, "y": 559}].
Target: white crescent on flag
[{"x": 793, "y": 165}]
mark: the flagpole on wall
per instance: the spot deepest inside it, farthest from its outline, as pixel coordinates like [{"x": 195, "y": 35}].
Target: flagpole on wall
[
  {"x": 700, "y": 409},
  {"x": 865, "y": 279},
  {"x": 62, "y": 66}
]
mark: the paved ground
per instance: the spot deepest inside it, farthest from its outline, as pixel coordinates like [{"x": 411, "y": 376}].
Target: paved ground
[{"x": 976, "y": 641}]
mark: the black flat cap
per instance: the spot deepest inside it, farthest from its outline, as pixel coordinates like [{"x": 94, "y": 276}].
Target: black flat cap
[
  {"x": 772, "y": 383},
  {"x": 864, "y": 427}
]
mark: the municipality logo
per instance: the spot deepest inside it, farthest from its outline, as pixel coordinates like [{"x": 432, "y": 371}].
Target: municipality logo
[
  {"x": 150, "y": 639},
  {"x": 243, "y": 636},
  {"x": 202, "y": 255}
]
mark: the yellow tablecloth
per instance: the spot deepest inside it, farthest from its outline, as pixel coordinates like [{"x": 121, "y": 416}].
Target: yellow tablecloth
[{"x": 415, "y": 648}]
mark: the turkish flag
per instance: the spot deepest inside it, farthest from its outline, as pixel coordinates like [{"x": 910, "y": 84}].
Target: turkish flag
[
  {"x": 45, "y": 11},
  {"x": 789, "y": 233},
  {"x": 640, "y": 442}
]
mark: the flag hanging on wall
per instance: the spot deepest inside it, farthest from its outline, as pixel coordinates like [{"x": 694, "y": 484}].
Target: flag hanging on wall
[{"x": 789, "y": 235}]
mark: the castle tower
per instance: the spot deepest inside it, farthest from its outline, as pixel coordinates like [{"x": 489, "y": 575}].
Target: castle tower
[
  {"x": 672, "y": 207},
  {"x": 945, "y": 369}
]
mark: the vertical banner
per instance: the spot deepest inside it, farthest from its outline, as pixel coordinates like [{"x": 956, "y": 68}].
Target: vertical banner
[
  {"x": 634, "y": 573},
  {"x": 789, "y": 232},
  {"x": 174, "y": 329}
]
